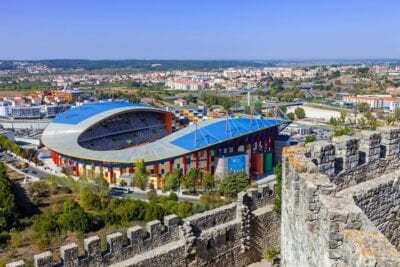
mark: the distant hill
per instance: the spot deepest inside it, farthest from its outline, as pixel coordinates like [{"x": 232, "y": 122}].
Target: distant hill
[
  {"x": 146, "y": 64},
  {"x": 163, "y": 65}
]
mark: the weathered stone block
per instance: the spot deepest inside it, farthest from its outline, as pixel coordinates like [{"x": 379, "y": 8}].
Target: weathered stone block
[{"x": 92, "y": 246}]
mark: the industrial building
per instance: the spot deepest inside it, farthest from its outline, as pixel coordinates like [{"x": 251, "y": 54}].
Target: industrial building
[{"x": 108, "y": 138}]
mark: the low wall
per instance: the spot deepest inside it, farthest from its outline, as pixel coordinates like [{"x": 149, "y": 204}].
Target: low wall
[{"x": 232, "y": 235}]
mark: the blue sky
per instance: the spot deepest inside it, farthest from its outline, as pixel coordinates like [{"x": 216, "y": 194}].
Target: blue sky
[{"x": 199, "y": 29}]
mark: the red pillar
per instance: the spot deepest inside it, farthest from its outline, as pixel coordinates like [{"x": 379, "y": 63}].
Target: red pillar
[
  {"x": 111, "y": 174},
  {"x": 77, "y": 169},
  {"x": 184, "y": 164},
  {"x": 196, "y": 155},
  {"x": 171, "y": 165},
  {"x": 155, "y": 166}
]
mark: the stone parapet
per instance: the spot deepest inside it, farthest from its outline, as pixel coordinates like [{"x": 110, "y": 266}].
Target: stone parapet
[{"x": 341, "y": 201}]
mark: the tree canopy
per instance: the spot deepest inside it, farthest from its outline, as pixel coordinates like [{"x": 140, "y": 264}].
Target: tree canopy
[
  {"x": 8, "y": 207},
  {"x": 141, "y": 175},
  {"x": 233, "y": 183},
  {"x": 300, "y": 113}
]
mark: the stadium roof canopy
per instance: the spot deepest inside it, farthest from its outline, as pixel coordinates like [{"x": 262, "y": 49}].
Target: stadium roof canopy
[
  {"x": 81, "y": 113},
  {"x": 62, "y": 134}
]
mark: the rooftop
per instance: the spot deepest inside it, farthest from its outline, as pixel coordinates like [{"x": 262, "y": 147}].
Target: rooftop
[
  {"x": 62, "y": 134},
  {"x": 81, "y": 113}
]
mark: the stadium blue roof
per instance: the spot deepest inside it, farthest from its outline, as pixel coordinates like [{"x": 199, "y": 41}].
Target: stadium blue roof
[
  {"x": 81, "y": 113},
  {"x": 63, "y": 133},
  {"x": 216, "y": 132}
]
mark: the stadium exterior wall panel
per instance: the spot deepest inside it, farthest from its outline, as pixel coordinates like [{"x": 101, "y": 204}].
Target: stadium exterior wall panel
[{"x": 225, "y": 148}]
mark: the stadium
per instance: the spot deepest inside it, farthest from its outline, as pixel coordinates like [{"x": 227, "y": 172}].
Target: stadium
[{"x": 109, "y": 137}]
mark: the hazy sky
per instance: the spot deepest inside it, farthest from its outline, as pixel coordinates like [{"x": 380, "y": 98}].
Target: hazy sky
[{"x": 199, "y": 29}]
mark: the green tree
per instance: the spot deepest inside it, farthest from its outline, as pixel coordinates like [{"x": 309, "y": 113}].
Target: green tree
[
  {"x": 208, "y": 182},
  {"x": 46, "y": 227},
  {"x": 299, "y": 94},
  {"x": 288, "y": 97},
  {"x": 173, "y": 180},
  {"x": 341, "y": 130},
  {"x": 333, "y": 121},
  {"x": 8, "y": 207},
  {"x": 134, "y": 98},
  {"x": 335, "y": 74},
  {"x": 191, "y": 180},
  {"x": 397, "y": 114},
  {"x": 184, "y": 209},
  {"x": 278, "y": 188},
  {"x": 343, "y": 115},
  {"x": 283, "y": 108},
  {"x": 258, "y": 107},
  {"x": 141, "y": 175},
  {"x": 310, "y": 138},
  {"x": 89, "y": 199},
  {"x": 74, "y": 218},
  {"x": 362, "y": 107},
  {"x": 390, "y": 120},
  {"x": 233, "y": 183},
  {"x": 291, "y": 115},
  {"x": 300, "y": 113}
]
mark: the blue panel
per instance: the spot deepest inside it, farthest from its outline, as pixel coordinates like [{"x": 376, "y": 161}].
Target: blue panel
[
  {"x": 79, "y": 114},
  {"x": 237, "y": 163},
  {"x": 216, "y": 132}
]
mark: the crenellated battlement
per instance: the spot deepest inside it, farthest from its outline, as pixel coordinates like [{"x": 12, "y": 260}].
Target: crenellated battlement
[
  {"x": 340, "y": 201},
  {"x": 139, "y": 240},
  {"x": 349, "y": 160},
  {"x": 223, "y": 231}
]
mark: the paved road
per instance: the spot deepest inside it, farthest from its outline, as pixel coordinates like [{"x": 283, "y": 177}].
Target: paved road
[{"x": 28, "y": 170}]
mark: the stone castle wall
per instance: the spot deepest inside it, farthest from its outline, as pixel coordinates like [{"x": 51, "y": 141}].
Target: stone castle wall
[
  {"x": 341, "y": 200},
  {"x": 232, "y": 235}
]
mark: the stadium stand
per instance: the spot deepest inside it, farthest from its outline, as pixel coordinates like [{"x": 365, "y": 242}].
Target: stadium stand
[{"x": 124, "y": 130}]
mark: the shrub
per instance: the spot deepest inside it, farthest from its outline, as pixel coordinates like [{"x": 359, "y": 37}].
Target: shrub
[
  {"x": 278, "y": 188},
  {"x": 39, "y": 189},
  {"x": 89, "y": 199},
  {"x": 270, "y": 253},
  {"x": 310, "y": 138},
  {"x": 74, "y": 218}
]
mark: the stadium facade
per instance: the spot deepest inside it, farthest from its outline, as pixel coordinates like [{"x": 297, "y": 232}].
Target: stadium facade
[{"x": 109, "y": 137}]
